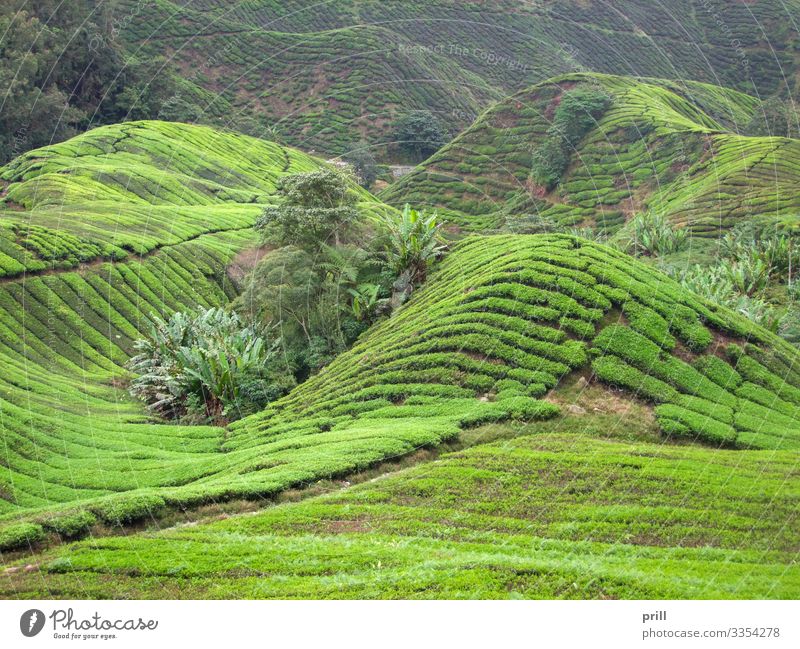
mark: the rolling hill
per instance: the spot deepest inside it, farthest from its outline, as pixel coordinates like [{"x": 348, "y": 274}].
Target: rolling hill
[
  {"x": 322, "y": 76},
  {"x": 659, "y": 147},
  {"x": 561, "y": 515},
  {"x": 645, "y": 413}
]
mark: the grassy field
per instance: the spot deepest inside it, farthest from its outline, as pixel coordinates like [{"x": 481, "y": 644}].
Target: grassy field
[
  {"x": 558, "y": 515},
  {"x": 661, "y": 148},
  {"x": 324, "y": 75}
]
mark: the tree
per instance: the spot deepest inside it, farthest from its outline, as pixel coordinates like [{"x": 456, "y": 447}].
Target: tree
[
  {"x": 414, "y": 242},
  {"x": 576, "y": 114},
  {"x": 420, "y": 134},
  {"x": 308, "y": 298},
  {"x": 316, "y": 207},
  {"x": 208, "y": 363},
  {"x": 364, "y": 165},
  {"x": 62, "y": 70}
]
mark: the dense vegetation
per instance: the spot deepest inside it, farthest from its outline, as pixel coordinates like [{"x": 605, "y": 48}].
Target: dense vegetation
[
  {"x": 568, "y": 333},
  {"x": 62, "y": 69},
  {"x": 497, "y": 327},
  {"x": 208, "y": 365},
  {"x": 325, "y": 77}
]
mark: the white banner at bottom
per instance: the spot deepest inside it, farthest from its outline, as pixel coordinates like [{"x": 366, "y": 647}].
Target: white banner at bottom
[{"x": 440, "y": 624}]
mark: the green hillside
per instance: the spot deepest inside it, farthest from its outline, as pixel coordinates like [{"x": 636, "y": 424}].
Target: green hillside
[
  {"x": 659, "y": 147},
  {"x": 101, "y": 234},
  {"x": 497, "y": 328},
  {"x": 538, "y": 516},
  {"x": 324, "y": 75}
]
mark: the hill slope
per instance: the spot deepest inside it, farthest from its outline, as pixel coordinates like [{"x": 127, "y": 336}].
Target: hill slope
[
  {"x": 538, "y": 516},
  {"x": 498, "y": 327},
  {"x": 324, "y": 74},
  {"x": 659, "y": 147},
  {"x": 99, "y": 234}
]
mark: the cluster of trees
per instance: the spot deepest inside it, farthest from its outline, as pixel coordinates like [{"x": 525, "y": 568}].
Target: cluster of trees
[
  {"x": 62, "y": 70},
  {"x": 419, "y": 134},
  {"x": 576, "y": 114},
  {"x": 330, "y": 276},
  {"x": 333, "y": 273}
]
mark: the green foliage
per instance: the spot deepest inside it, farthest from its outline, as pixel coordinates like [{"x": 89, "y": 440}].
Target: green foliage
[
  {"x": 64, "y": 68},
  {"x": 20, "y": 535},
  {"x": 419, "y": 133},
  {"x": 558, "y": 515},
  {"x": 364, "y": 165},
  {"x": 775, "y": 117},
  {"x": 320, "y": 304},
  {"x": 576, "y": 114},
  {"x": 121, "y": 511},
  {"x": 414, "y": 242},
  {"x": 316, "y": 208},
  {"x": 208, "y": 362},
  {"x": 657, "y": 149},
  {"x": 70, "y": 525},
  {"x": 654, "y": 235}
]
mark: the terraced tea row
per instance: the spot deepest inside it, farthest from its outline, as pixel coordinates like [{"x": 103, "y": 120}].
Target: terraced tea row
[
  {"x": 539, "y": 516},
  {"x": 70, "y": 432},
  {"x": 659, "y": 148}
]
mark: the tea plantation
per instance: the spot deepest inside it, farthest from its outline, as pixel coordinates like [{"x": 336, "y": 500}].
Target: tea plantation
[
  {"x": 658, "y": 147},
  {"x": 539, "y": 516},
  {"x": 107, "y": 230},
  {"x": 324, "y": 75}
]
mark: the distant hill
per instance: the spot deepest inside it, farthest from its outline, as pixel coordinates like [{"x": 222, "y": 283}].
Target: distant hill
[
  {"x": 323, "y": 75},
  {"x": 667, "y": 148}
]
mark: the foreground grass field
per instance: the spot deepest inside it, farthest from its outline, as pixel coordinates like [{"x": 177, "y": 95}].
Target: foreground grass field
[{"x": 536, "y": 516}]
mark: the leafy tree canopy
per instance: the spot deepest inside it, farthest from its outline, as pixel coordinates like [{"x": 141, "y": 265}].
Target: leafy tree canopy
[
  {"x": 420, "y": 134},
  {"x": 316, "y": 207}
]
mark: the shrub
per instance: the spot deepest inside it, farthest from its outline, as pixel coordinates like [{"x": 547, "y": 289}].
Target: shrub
[
  {"x": 70, "y": 524},
  {"x": 420, "y": 134},
  {"x": 414, "y": 242},
  {"x": 20, "y": 535},
  {"x": 653, "y": 235},
  {"x": 316, "y": 207},
  {"x": 364, "y": 165},
  {"x": 576, "y": 114},
  {"x": 121, "y": 510},
  {"x": 208, "y": 362},
  {"x": 698, "y": 425}
]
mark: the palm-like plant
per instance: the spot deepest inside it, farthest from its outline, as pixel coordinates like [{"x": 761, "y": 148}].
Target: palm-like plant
[
  {"x": 654, "y": 235},
  {"x": 414, "y": 242},
  {"x": 211, "y": 357}
]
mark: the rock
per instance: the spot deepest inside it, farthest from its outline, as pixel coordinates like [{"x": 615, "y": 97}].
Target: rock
[
  {"x": 11, "y": 571},
  {"x": 575, "y": 410},
  {"x": 30, "y": 568},
  {"x": 581, "y": 382}
]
